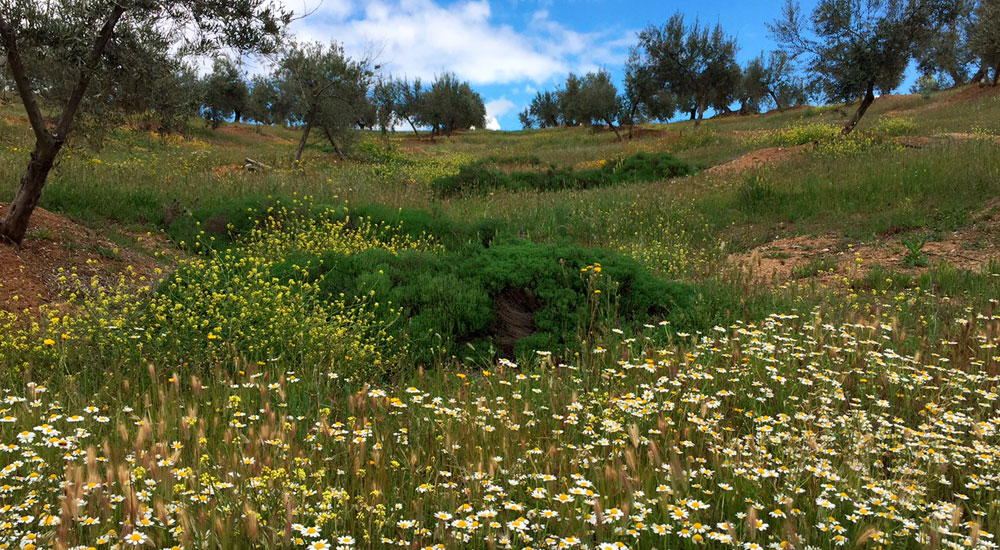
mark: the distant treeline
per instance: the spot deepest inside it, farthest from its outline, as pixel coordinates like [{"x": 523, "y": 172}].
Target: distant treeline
[{"x": 845, "y": 50}]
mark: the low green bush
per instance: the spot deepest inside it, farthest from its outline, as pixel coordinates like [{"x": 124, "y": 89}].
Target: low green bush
[
  {"x": 480, "y": 291},
  {"x": 892, "y": 126},
  {"x": 803, "y": 133},
  {"x": 641, "y": 167},
  {"x": 504, "y": 296}
]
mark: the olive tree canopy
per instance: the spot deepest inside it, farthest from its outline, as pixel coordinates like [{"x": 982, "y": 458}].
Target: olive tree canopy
[
  {"x": 695, "y": 64},
  {"x": 855, "y": 47},
  {"x": 67, "y": 57}
]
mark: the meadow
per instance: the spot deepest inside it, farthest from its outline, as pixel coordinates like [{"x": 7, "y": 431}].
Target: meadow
[{"x": 537, "y": 339}]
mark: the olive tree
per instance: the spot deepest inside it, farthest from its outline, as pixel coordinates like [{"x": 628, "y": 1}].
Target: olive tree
[
  {"x": 643, "y": 99},
  {"x": 543, "y": 111},
  {"x": 264, "y": 103},
  {"x": 855, "y": 47},
  {"x": 770, "y": 79},
  {"x": 569, "y": 101},
  {"x": 599, "y": 101},
  {"x": 944, "y": 50},
  {"x": 224, "y": 93},
  {"x": 385, "y": 98},
  {"x": 450, "y": 105},
  {"x": 65, "y": 57},
  {"x": 410, "y": 101},
  {"x": 985, "y": 37},
  {"x": 695, "y": 64},
  {"x": 324, "y": 89}
]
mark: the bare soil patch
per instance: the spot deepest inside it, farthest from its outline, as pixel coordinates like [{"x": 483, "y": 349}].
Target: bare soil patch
[
  {"x": 37, "y": 272},
  {"x": 251, "y": 134},
  {"x": 970, "y": 248},
  {"x": 757, "y": 159}
]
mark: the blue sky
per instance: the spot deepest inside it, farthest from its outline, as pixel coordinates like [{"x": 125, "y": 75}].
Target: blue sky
[{"x": 509, "y": 49}]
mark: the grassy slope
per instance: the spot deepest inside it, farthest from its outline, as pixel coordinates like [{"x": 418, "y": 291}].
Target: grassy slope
[
  {"x": 684, "y": 228},
  {"x": 807, "y": 420}
]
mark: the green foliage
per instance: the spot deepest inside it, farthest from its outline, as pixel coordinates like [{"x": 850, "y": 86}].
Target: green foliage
[
  {"x": 543, "y": 111},
  {"x": 220, "y": 225},
  {"x": 925, "y": 86},
  {"x": 335, "y": 107},
  {"x": 451, "y": 105},
  {"x": 696, "y": 63},
  {"x": 914, "y": 252},
  {"x": 640, "y": 167},
  {"x": 224, "y": 93},
  {"x": 598, "y": 99},
  {"x": 892, "y": 126},
  {"x": 803, "y": 133},
  {"x": 486, "y": 290}
]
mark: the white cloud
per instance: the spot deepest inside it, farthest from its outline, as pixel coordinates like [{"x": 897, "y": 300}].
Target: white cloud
[
  {"x": 496, "y": 109},
  {"x": 499, "y": 107},
  {"x": 422, "y": 38}
]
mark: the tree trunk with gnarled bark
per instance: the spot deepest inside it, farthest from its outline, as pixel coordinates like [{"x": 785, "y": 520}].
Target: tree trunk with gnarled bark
[
  {"x": 618, "y": 133},
  {"x": 865, "y": 103},
  {"x": 777, "y": 102},
  {"x": 302, "y": 143},
  {"x": 14, "y": 224},
  {"x": 702, "y": 107},
  {"x": 333, "y": 142},
  {"x": 980, "y": 74},
  {"x": 414, "y": 127}
]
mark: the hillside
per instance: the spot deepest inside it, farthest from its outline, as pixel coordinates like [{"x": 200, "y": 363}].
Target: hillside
[{"x": 750, "y": 332}]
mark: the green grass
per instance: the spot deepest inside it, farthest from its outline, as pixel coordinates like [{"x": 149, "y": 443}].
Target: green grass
[
  {"x": 325, "y": 356},
  {"x": 638, "y": 168}
]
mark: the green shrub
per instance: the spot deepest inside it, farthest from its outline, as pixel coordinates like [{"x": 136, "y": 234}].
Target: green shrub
[
  {"x": 514, "y": 296},
  {"x": 481, "y": 178},
  {"x": 893, "y": 126},
  {"x": 801, "y": 134},
  {"x": 219, "y": 225},
  {"x": 926, "y": 86},
  {"x": 478, "y": 290}
]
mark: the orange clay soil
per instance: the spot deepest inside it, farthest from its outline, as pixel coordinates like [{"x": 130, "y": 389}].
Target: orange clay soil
[{"x": 31, "y": 274}]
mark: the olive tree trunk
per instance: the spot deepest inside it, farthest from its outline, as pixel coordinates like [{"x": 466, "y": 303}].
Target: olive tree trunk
[
  {"x": 415, "y": 132},
  {"x": 866, "y": 102},
  {"x": 14, "y": 224},
  {"x": 333, "y": 142},
  {"x": 302, "y": 143},
  {"x": 618, "y": 133},
  {"x": 777, "y": 102}
]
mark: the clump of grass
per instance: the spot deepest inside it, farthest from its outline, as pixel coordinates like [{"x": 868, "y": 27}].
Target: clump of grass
[
  {"x": 640, "y": 167},
  {"x": 915, "y": 256},
  {"x": 803, "y": 133},
  {"x": 816, "y": 266},
  {"x": 892, "y": 126}
]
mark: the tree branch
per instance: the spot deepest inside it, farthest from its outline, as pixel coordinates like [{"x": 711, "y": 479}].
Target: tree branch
[
  {"x": 23, "y": 84},
  {"x": 103, "y": 37}
]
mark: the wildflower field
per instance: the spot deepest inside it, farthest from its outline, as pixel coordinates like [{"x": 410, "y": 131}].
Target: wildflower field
[{"x": 334, "y": 355}]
